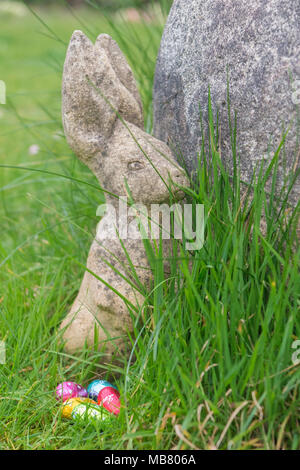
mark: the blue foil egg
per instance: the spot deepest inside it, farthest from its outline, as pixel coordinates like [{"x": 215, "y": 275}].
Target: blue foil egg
[{"x": 95, "y": 387}]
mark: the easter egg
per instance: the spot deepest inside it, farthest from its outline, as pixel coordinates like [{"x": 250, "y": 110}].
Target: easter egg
[
  {"x": 109, "y": 398},
  {"x": 70, "y": 404},
  {"x": 67, "y": 390},
  {"x": 95, "y": 387},
  {"x": 86, "y": 412},
  {"x": 82, "y": 392}
]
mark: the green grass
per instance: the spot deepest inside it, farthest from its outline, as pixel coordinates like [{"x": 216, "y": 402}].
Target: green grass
[{"x": 213, "y": 362}]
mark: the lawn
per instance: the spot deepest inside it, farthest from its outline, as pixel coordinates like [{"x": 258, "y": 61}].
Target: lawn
[{"x": 214, "y": 363}]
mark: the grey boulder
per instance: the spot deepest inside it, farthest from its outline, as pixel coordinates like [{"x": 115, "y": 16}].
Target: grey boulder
[{"x": 257, "y": 42}]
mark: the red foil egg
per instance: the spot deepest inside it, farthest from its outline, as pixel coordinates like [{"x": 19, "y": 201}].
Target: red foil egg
[{"x": 109, "y": 398}]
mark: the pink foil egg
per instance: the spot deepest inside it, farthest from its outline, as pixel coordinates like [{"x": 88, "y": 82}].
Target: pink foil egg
[
  {"x": 67, "y": 390},
  {"x": 109, "y": 398}
]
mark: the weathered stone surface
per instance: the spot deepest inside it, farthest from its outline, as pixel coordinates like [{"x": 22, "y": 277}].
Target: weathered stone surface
[
  {"x": 103, "y": 122},
  {"x": 259, "y": 42}
]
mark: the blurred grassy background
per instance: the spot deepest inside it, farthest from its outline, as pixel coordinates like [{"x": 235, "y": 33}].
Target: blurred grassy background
[{"x": 31, "y": 62}]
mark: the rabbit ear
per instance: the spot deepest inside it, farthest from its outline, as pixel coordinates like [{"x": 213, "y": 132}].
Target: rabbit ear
[
  {"x": 92, "y": 92},
  {"x": 88, "y": 119},
  {"x": 132, "y": 109}
]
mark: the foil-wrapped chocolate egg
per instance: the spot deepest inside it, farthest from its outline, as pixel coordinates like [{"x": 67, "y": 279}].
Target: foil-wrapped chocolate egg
[
  {"x": 70, "y": 404},
  {"x": 67, "y": 390},
  {"x": 109, "y": 398},
  {"x": 95, "y": 387},
  {"x": 90, "y": 412}
]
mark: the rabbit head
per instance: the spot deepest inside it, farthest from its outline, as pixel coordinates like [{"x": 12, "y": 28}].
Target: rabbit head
[{"x": 103, "y": 123}]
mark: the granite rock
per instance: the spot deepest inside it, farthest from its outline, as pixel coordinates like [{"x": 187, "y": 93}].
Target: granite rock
[{"x": 255, "y": 42}]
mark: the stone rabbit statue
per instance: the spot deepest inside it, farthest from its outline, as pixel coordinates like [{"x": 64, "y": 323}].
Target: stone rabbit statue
[{"x": 102, "y": 111}]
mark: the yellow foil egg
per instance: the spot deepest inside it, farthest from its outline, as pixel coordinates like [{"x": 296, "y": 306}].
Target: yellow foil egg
[{"x": 70, "y": 404}]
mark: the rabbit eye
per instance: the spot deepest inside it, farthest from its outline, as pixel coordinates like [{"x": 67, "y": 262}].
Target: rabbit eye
[{"x": 135, "y": 166}]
